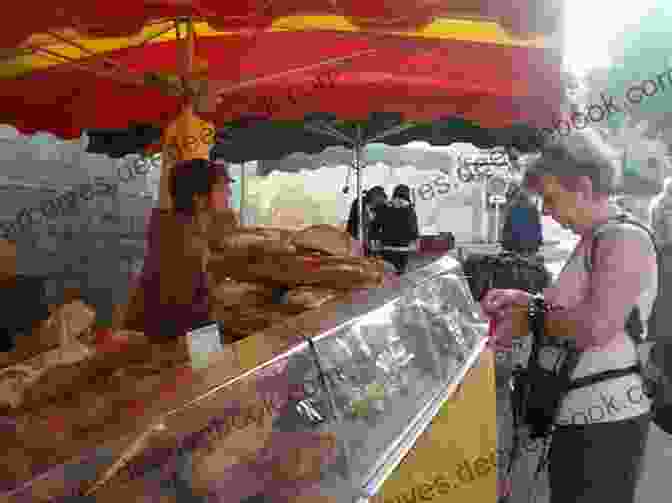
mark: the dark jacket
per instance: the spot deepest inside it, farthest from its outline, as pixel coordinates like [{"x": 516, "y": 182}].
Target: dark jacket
[
  {"x": 353, "y": 219},
  {"x": 522, "y": 229},
  {"x": 395, "y": 224}
]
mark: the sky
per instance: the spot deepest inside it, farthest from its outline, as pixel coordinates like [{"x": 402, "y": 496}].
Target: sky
[{"x": 591, "y": 24}]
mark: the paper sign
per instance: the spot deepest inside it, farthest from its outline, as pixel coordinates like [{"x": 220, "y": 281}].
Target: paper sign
[{"x": 202, "y": 343}]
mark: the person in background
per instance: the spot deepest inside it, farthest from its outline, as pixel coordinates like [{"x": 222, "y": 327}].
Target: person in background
[
  {"x": 374, "y": 198},
  {"x": 172, "y": 294},
  {"x": 522, "y": 231},
  {"x": 396, "y": 228},
  {"x": 660, "y": 215},
  {"x": 660, "y": 220}
]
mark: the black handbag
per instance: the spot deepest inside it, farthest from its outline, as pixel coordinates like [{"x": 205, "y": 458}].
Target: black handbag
[
  {"x": 505, "y": 270},
  {"x": 538, "y": 392}
]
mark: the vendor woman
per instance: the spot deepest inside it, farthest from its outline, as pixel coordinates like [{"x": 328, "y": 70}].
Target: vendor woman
[{"x": 173, "y": 287}]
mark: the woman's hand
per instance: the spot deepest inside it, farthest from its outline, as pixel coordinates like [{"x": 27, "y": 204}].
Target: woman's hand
[
  {"x": 508, "y": 312},
  {"x": 499, "y": 303}
]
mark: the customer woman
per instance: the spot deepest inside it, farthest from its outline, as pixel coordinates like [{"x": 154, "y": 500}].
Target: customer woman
[
  {"x": 601, "y": 429},
  {"x": 172, "y": 297},
  {"x": 395, "y": 226}
]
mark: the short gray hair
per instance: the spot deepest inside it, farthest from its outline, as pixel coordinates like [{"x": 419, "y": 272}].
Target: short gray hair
[{"x": 582, "y": 153}]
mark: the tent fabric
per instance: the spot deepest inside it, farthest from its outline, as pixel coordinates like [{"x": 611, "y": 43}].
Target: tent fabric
[
  {"x": 469, "y": 68},
  {"x": 124, "y": 18},
  {"x": 272, "y": 140},
  {"x": 373, "y": 153}
]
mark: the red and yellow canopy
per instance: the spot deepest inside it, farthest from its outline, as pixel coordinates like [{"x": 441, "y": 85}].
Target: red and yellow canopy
[{"x": 105, "y": 66}]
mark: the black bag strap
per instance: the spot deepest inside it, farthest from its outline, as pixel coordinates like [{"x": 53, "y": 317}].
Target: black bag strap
[
  {"x": 623, "y": 218},
  {"x": 582, "y": 382},
  {"x": 634, "y": 324}
]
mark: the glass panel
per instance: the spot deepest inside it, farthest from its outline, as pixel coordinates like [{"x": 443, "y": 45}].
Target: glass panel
[{"x": 385, "y": 367}]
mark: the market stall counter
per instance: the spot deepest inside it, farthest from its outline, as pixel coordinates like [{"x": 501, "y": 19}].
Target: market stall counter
[{"x": 321, "y": 407}]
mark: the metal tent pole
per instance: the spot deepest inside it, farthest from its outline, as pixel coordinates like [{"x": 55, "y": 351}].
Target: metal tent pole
[
  {"x": 358, "y": 168},
  {"x": 243, "y": 194}
]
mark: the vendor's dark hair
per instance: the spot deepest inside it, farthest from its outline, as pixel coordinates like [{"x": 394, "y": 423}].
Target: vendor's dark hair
[
  {"x": 583, "y": 153},
  {"x": 195, "y": 178},
  {"x": 371, "y": 194},
  {"x": 402, "y": 192}
]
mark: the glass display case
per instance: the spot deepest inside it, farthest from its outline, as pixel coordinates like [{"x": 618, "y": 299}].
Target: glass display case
[
  {"x": 334, "y": 414},
  {"x": 372, "y": 383},
  {"x": 387, "y": 373}
]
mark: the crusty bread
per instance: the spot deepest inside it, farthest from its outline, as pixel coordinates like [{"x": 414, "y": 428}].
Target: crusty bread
[
  {"x": 245, "y": 242},
  {"x": 310, "y": 297},
  {"x": 340, "y": 273},
  {"x": 232, "y": 293},
  {"x": 222, "y": 224},
  {"x": 324, "y": 238}
]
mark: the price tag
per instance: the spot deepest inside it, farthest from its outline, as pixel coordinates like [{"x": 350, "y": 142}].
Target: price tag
[{"x": 202, "y": 343}]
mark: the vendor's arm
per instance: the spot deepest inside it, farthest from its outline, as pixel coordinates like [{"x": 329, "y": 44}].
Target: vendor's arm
[{"x": 622, "y": 267}]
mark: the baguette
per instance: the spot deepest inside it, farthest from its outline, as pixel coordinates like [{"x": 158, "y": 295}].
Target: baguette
[
  {"x": 232, "y": 293},
  {"x": 341, "y": 273},
  {"x": 246, "y": 242},
  {"x": 307, "y": 297},
  {"x": 324, "y": 238}
]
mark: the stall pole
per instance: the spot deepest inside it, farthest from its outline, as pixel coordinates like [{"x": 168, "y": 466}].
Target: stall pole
[
  {"x": 243, "y": 194},
  {"x": 358, "y": 170}
]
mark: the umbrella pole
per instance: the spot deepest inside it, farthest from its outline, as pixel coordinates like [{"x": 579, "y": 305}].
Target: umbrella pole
[
  {"x": 243, "y": 194},
  {"x": 358, "y": 170}
]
